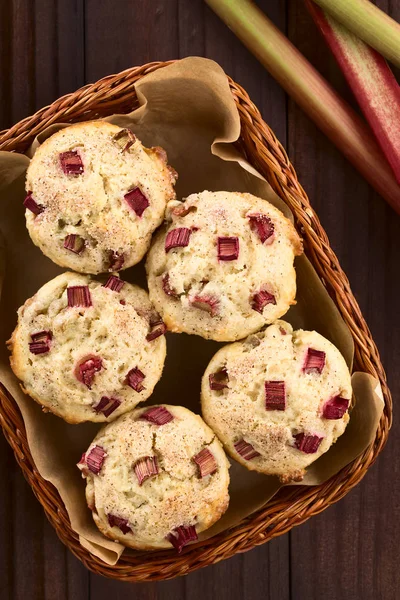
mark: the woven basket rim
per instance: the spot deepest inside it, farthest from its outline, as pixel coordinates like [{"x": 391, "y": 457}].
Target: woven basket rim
[{"x": 291, "y": 506}]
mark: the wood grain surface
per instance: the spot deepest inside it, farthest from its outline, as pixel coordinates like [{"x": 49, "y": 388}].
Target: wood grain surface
[{"x": 351, "y": 551}]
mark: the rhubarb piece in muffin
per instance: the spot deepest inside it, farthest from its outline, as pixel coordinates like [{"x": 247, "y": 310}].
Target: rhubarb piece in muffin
[
  {"x": 87, "y": 350},
  {"x": 156, "y": 478},
  {"x": 95, "y": 196},
  {"x": 222, "y": 268},
  {"x": 277, "y": 400}
]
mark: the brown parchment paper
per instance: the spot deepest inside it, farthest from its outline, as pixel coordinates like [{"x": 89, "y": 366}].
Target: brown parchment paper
[{"x": 188, "y": 109}]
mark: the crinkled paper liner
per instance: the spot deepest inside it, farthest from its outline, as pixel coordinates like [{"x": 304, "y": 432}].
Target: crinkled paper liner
[{"x": 188, "y": 109}]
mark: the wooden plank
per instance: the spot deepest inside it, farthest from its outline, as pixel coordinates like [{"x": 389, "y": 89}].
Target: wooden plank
[
  {"x": 17, "y": 33},
  {"x": 142, "y": 32},
  {"x": 222, "y": 46},
  {"x": 137, "y": 36},
  {"x": 118, "y": 39},
  {"x": 41, "y": 58},
  {"x": 59, "y": 49},
  {"x": 263, "y": 572},
  {"x": 266, "y": 571},
  {"x": 7, "y": 469},
  {"x": 349, "y": 550},
  {"x": 41, "y": 54},
  {"x": 101, "y": 588},
  {"x": 65, "y": 577},
  {"x": 191, "y": 28},
  {"x": 223, "y": 581},
  {"x": 5, "y": 64}
]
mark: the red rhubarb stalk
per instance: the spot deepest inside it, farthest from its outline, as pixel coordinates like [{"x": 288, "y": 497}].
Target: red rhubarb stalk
[
  {"x": 371, "y": 80},
  {"x": 311, "y": 92},
  {"x": 369, "y": 23}
]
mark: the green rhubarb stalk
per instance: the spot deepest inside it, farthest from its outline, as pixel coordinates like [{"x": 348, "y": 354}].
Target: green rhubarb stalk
[
  {"x": 369, "y": 23},
  {"x": 371, "y": 81},
  {"x": 312, "y": 92}
]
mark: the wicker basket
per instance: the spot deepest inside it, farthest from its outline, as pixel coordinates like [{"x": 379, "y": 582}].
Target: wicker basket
[{"x": 291, "y": 506}]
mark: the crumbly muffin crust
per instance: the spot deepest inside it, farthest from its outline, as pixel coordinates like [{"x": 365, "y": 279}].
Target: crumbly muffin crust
[
  {"x": 277, "y": 400},
  {"x": 95, "y": 196},
  {"x": 222, "y": 268},
  {"x": 86, "y": 350},
  {"x": 144, "y": 484}
]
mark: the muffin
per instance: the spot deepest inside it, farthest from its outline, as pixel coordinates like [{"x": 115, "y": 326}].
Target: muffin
[
  {"x": 222, "y": 268},
  {"x": 277, "y": 400},
  {"x": 95, "y": 196},
  {"x": 88, "y": 351},
  {"x": 156, "y": 478}
]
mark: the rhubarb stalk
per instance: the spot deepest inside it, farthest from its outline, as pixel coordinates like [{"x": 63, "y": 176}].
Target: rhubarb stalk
[
  {"x": 312, "y": 92},
  {"x": 371, "y": 81},
  {"x": 369, "y": 23}
]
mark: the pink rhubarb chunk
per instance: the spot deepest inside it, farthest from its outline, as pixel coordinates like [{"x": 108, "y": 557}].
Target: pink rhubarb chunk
[
  {"x": 42, "y": 336},
  {"x": 219, "y": 380},
  {"x": 87, "y": 368},
  {"x": 261, "y": 299},
  {"x": 183, "y": 210},
  {"x": 74, "y": 243},
  {"x": 166, "y": 286},
  {"x": 116, "y": 261},
  {"x": 71, "y": 163},
  {"x": 206, "y": 302},
  {"x": 307, "y": 443},
  {"x": 157, "y": 415},
  {"x": 95, "y": 459},
  {"x": 315, "y": 361},
  {"x": 115, "y": 284},
  {"x": 335, "y": 408},
  {"x": 137, "y": 201},
  {"x": 145, "y": 467},
  {"x": 263, "y": 227},
  {"x": 38, "y": 347},
  {"x": 206, "y": 462},
  {"x": 177, "y": 238},
  {"x": 246, "y": 450},
  {"x": 79, "y": 295},
  {"x": 157, "y": 328},
  {"x": 125, "y": 139},
  {"x": 82, "y": 466},
  {"x": 275, "y": 395},
  {"x": 107, "y": 406},
  {"x": 40, "y": 343},
  {"x": 134, "y": 379},
  {"x": 181, "y": 536},
  {"x": 228, "y": 248},
  {"x": 119, "y": 522},
  {"x": 31, "y": 205}
]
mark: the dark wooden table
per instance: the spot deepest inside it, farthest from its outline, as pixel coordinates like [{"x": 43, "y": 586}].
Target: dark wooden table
[{"x": 351, "y": 551}]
